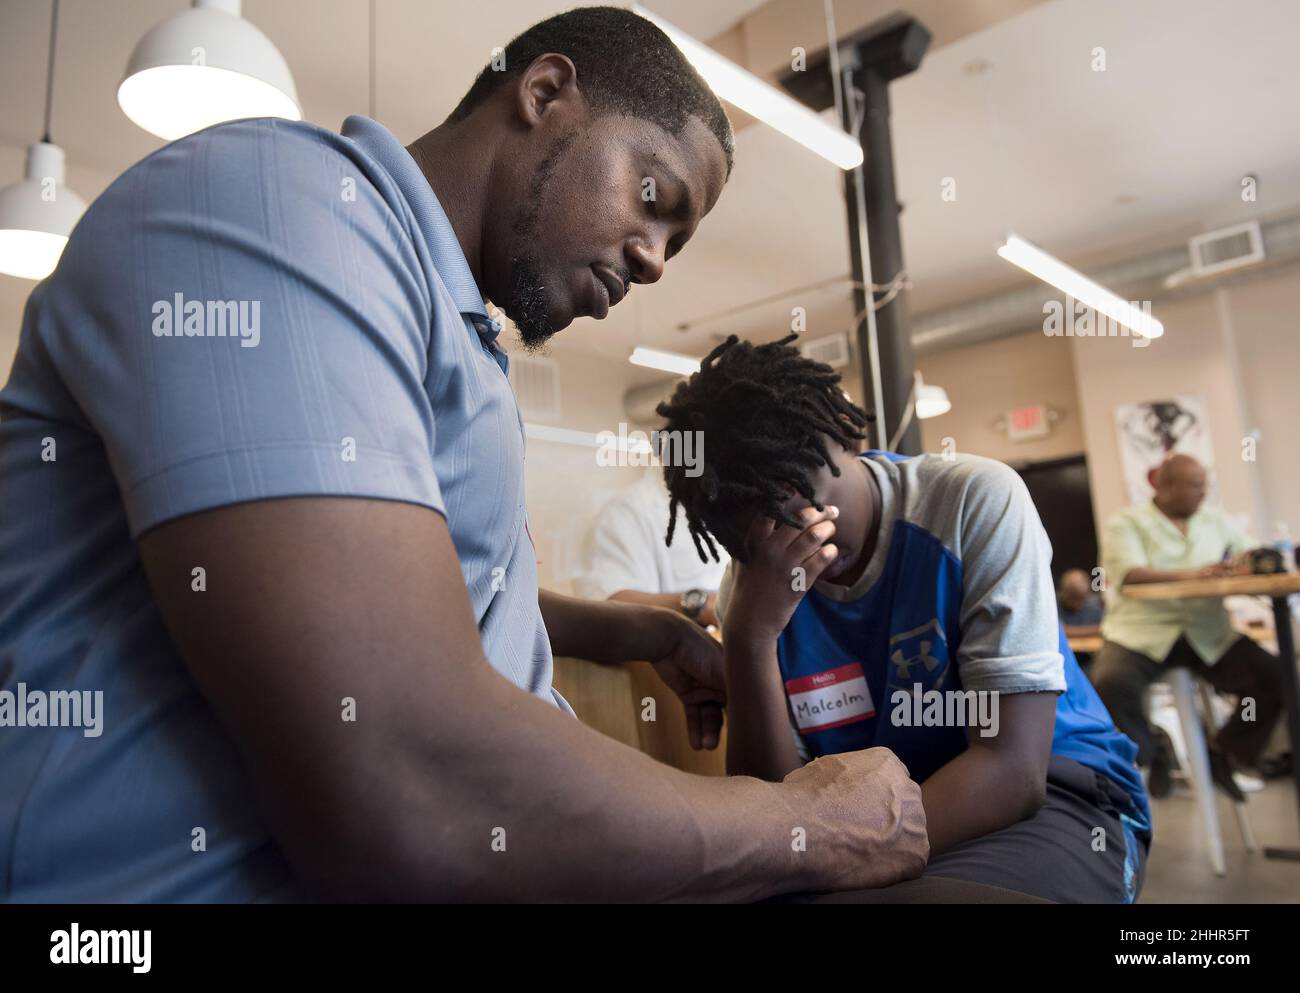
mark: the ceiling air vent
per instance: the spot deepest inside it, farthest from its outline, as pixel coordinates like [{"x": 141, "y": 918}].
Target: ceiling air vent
[
  {"x": 833, "y": 349},
  {"x": 1226, "y": 248},
  {"x": 536, "y": 382}
]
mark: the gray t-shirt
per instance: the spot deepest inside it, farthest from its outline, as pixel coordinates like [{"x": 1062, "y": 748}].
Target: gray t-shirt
[{"x": 961, "y": 536}]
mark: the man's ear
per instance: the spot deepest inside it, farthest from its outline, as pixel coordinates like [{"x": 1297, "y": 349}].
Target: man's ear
[{"x": 550, "y": 79}]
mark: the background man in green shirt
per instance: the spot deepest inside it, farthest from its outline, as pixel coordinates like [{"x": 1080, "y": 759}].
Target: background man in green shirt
[{"x": 1172, "y": 538}]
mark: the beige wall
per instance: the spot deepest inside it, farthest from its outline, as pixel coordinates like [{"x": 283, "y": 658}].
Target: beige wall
[
  {"x": 1238, "y": 346},
  {"x": 564, "y": 485},
  {"x": 1252, "y": 327},
  {"x": 986, "y": 380},
  {"x": 1265, "y": 323}
]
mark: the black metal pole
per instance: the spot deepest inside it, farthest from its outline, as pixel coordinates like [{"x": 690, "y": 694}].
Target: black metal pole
[
  {"x": 885, "y": 242},
  {"x": 871, "y": 59}
]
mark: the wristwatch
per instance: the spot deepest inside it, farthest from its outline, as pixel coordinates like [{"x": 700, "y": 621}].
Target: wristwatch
[{"x": 693, "y": 602}]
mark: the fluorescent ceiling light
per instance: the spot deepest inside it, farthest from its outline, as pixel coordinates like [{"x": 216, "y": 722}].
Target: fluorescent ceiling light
[
  {"x": 561, "y": 436},
  {"x": 585, "y": 439},
  {"x": 653, "y": 358},
  {"x": 761, "y": 99},
  {"x": 1075, "y": 284},
  {"x": 204, "y": 66}
]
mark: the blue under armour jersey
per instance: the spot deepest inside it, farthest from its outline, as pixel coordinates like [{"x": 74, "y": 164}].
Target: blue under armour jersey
[{"x": 958, "y": 597}]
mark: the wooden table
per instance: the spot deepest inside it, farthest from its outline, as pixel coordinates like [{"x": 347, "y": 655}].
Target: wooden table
[
  {"x": 1277, "y": 588},
  {"x": 1088, "y": 643}
]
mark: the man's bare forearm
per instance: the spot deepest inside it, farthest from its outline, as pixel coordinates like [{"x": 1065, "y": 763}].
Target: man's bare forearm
[
  {"x": 515, "y": 820},
  {"x": 599, "y": 630},
  {"x": 758, "y": 739},
  {"x": 668, "y": 601}
]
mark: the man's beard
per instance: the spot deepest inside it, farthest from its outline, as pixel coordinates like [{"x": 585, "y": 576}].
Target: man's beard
[{"x": 529, "y": 304}]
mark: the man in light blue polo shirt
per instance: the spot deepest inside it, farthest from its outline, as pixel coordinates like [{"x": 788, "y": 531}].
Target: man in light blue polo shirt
[{"x": 262, "y": 479}]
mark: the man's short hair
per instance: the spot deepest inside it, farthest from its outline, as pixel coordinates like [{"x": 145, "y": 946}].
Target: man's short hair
[{"x": 625, "y": 64}]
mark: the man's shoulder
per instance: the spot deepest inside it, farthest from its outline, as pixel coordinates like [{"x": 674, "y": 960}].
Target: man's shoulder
[
  {"x": 235, "y": 161},
  {"x": 1138, "y": 516}
]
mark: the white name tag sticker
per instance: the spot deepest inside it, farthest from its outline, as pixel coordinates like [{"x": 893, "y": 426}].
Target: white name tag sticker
[{"x": 830, "y": 699}]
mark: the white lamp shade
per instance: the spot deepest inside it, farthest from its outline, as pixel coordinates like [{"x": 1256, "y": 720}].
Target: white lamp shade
[
  {"x": 37, "y": 215},
  {"x": 931, "y": 401},
  {"x": 204, "y": 66}
]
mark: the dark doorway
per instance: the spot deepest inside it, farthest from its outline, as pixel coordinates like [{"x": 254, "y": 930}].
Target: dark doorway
[{"x": 1060, "y": 491}]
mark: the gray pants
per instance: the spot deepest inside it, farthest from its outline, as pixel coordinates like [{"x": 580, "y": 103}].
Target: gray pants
[{"x": 1051, "y": 856}]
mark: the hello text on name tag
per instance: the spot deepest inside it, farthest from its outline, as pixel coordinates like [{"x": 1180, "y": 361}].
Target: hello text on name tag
[{"x": 830, "y": 699}]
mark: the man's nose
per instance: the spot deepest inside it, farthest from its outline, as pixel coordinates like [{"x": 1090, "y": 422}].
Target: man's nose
[{"x": 646, "y": 262}]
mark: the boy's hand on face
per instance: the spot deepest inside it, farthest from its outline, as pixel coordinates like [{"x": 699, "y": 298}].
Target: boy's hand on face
[{"x": 783, "y": 564}]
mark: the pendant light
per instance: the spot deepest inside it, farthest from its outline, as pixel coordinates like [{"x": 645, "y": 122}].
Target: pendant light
[
  {"x": 204, "y": 66},
  {"x": 38, "y": 213}
]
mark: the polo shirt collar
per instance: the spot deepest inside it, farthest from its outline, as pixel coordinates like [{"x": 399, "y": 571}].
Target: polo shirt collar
[{"x": 448, "y": 257}]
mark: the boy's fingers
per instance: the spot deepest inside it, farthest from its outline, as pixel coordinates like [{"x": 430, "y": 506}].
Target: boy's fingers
[
  {"x": 818, "y": 562},
  {"x": 809, "y": 518},
  {"x": 811, "y": 539}
]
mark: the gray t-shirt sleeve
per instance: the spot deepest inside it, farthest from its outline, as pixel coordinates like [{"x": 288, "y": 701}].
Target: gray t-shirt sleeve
[{"x": 1010, "y": 630}]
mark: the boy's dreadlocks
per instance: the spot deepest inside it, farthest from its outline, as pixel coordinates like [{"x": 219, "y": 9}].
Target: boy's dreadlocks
[{"x": 766, "y": 412}]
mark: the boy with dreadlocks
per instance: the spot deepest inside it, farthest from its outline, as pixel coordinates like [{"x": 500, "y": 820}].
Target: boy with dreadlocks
[{"x": 880, "y": 601}]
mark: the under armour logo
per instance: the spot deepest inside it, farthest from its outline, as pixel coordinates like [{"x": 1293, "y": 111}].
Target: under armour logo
[{"x": 904, "y": 665}]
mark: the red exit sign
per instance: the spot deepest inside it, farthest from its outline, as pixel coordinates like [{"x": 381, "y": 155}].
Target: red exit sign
[{"x": 1027, "y": 423}]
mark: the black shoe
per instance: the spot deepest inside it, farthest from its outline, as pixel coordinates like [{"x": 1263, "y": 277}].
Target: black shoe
[
  {"x": 1221, "y": 773},
  {"x": 1275, "y": 767},
  {"x": 1159, "y": 784}
]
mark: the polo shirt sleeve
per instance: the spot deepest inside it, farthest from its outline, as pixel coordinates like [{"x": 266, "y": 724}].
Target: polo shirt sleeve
[
  {"x": 1010, "y": 640},
  {"x": 1123, "y": 549},
  {"x": 316, "y": 385}
]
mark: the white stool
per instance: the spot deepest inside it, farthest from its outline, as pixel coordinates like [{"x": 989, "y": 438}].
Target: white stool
[{"x": 1188, "y": 738}]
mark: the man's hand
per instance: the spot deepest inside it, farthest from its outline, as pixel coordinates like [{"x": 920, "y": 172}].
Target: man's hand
[
  {"x": 866, "y": 819},
  {"x": 689, "y": 660},
  {"x": 1222, "y": 570},
  {"x": 684, "y": 655},
  {"x": 768, "y": 587}
]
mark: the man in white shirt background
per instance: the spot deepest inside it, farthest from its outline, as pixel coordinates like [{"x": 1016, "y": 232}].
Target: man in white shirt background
[{"x": 626, "y": 557}]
